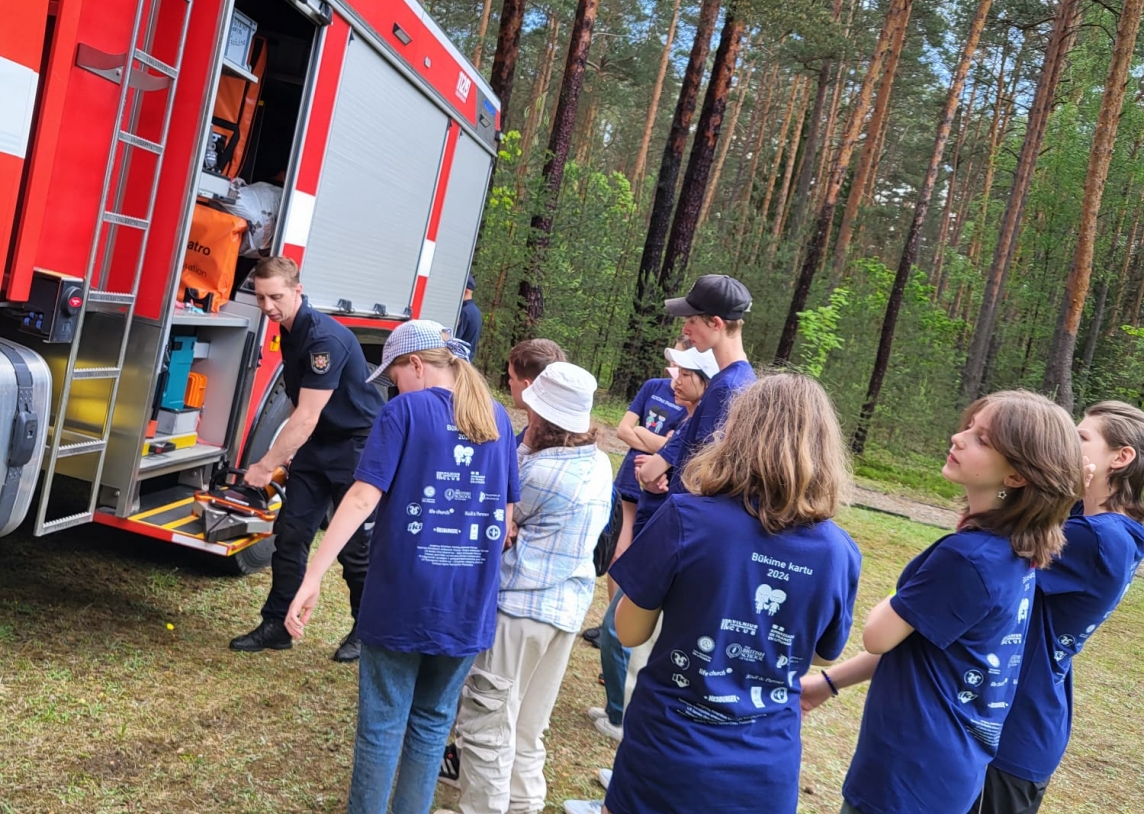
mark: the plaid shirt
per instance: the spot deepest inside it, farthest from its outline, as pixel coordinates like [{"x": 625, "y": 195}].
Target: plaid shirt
[{"x": 565, "y": 502}]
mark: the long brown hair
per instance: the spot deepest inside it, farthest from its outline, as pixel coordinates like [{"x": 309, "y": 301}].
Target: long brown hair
[
  {"x": 546, "y": 435},
  {"x": 780, "y": 451},
  {"x": 472, "y": 402},
  {"x": 1039, "y": 440},
  {"x": 1122, "y": 425}
]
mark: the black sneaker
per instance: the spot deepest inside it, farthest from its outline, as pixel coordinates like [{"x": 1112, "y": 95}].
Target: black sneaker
[
  {"x": 450, "y": 770},
  {"x": 350, "y": 648},
  {"x": 592, "y": 636},
  {"x": 270, "y": 635}
]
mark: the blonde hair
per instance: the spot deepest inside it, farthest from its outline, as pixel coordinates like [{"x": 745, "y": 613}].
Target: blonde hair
[
  {"x": 472, "y": 402},
  {"x": 1039, "y": 441},
  {"x": 282, "y": 267},
  {"x": 1122, "y": 425},
  {"x": 780, "y": 450}
]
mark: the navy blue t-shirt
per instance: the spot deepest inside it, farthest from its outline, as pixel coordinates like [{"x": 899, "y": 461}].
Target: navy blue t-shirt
[
  {"x": 713, "y": 723},
  {"x": 319, "y": 353},
  {"x": 659, "y": 414},
  {"x": 708, "y": 416},
  {"x": 434, "y": 559},
  {"x": 1078, "y": 592},
  {"x": 469, "y": 326},
  {"x": 937, "y": 701}
]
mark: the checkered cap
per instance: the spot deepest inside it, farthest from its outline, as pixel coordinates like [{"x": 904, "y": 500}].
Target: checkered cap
[{"x": 412, "y": 336}]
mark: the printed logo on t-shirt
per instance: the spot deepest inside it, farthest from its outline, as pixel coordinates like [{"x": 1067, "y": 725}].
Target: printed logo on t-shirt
[
  {"x": 458, "y": 495},
  {"x": 429, "y": 491},
  {"x": 681, "y": 680},
  {"x": 1066, "y": 640},
  {"x": 488, "y": 497},
  {"x": 994, "y": 663},
  {"x": 769, "y": 599},
  {"x": 779, "y": 695},
  {"x": 757, "y": 697},
  {"x": 744, "y": 653},
  {"x": 736, "y": 626},
  {"x": 414, "y": 527},
  {"x": 680, "y": 660},
  {"x": 973, "y": 678},
  {"x": 463, "y": 455},
  {"x": 446, "y": 530},
  {"x": 454, "y": 476},
  {"x": 654, "y": 421},
  {"x": 413, "y": 510},
  {"x": 706, "y": 644},
  {"x": 1012, "y": 638},
  {"x": 493, "y": 533},
  {"x": 498, "y": 514},
  {"x": 1023, "y": 610},
  {"x": 965, "y": 696},
  {"x": 778, "y": 634},
  {"x": 476, "y": 479}
]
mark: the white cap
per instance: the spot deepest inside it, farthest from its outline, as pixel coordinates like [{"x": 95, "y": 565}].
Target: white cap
[
  {"x": 562, "y": 394},
  {"x": 692, "y": 359}
]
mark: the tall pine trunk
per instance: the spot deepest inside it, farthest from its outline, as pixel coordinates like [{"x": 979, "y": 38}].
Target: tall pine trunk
[
  {"x": 694, "y": 188},
  {"x": 653, "y": 107},
  {"x": 899, "y": 9},
  {"x": 539, "y": 99},
  {"x": 1060, "y": 40},
  {"x": 1058, "y": 369},
  {"x": 913, "y": 236},
  {"x": 646, "y": 306},
  {"x": 728, "y": 134},
  {"x": 531, "y": 291},
  {"x": 482, "y": 29},
  {"x": 508, "y": 49},
  {"x": 866, "y": 161}
]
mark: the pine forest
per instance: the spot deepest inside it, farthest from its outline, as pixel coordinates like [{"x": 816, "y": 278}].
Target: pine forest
[{"x": 928, "y": 200}]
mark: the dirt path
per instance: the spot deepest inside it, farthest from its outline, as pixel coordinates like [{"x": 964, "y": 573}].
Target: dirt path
[{"x": 863, "y": 498}]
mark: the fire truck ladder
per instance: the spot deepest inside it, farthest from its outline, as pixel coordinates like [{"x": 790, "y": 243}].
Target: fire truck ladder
[{"x": 151, "y": 74}]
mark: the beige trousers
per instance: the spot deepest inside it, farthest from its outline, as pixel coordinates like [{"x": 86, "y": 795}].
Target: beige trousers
[{"x": 505, "y": 706}]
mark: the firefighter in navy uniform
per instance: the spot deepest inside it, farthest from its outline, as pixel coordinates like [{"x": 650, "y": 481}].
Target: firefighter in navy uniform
[{"x": 334, "y": 410}]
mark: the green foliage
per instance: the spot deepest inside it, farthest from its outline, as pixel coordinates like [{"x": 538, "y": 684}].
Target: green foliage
[{"x": 819, "y": 330}]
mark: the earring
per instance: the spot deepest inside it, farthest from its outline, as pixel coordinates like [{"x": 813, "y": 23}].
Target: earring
[{"x": 1001, "y": 494}]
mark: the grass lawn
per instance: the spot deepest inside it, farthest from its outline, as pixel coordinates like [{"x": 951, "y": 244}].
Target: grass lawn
[{"x": 105, "y": 708}]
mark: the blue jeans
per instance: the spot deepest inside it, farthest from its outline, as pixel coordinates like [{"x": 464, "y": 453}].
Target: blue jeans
[
  {"x": 613, "y": 663},
  {"x": 406, "y": 706}
]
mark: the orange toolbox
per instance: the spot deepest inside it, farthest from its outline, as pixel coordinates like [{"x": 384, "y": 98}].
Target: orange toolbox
[{"x": 196, "y": 391}]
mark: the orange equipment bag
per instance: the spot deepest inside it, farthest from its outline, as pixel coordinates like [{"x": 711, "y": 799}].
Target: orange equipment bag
[
  {"x": 212, "y": 252},
  {"x": 235, "y": 106}
]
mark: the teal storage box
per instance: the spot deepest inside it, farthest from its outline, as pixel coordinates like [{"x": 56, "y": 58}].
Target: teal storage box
[{"x": 182, "y": 353}]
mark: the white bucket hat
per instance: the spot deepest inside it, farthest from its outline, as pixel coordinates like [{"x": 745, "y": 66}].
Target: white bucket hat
[
  {"x": 562, "y": 394},
  {"x": 692, "y": 359}
]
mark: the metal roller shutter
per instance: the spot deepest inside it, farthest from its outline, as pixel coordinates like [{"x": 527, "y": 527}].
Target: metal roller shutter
[
  {"x": 374, "y": 199},
  {"x": 457, "y": 234}
]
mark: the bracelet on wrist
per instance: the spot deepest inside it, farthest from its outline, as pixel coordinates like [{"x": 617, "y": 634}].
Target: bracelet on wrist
[{"x": 829, "y": 683}]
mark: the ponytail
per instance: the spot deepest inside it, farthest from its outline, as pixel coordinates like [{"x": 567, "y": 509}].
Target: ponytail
[{"x": 472, "y": 403}]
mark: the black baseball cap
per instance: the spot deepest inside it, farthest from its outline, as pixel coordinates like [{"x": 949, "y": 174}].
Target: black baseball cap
[{"x": 715, "y": 295}]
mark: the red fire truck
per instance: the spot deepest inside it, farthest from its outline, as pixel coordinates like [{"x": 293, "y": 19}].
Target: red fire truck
[{"x": 381, "y": 138}]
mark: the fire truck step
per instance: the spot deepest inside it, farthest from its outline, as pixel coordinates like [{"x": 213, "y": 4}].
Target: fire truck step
[
  {"x": 61, "y": 523},
  {"x": 95, "y": 373},
  {"x": 94, "y": 295},
  {"x": 79, "y": 443},
  {"x": 141, "y": 143},
  {"x": 151, "y": 62},
  {"x": 120, "y": 219}
]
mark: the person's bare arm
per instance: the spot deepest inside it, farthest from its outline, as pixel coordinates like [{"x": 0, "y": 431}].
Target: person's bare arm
[{"x": 298, "y": 429}]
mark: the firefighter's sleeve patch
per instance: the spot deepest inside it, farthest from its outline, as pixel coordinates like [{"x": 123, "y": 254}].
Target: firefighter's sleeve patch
[{"x": 320, "y": 362}]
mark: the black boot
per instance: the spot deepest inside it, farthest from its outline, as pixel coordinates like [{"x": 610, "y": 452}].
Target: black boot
[
  {"x": 270, "y": 635},
  {"x": 350, "y": 648}
]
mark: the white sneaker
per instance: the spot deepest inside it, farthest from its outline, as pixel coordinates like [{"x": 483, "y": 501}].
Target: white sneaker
[
  {"x": 596, "y": 713},
  {"x": 583, "y": 806},
  {"x": 605, "y": 777},
  {"x": 606, "y": 727}
]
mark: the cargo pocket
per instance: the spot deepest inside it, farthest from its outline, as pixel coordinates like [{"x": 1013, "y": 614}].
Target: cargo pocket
[{"x": 483, "y": 724}]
